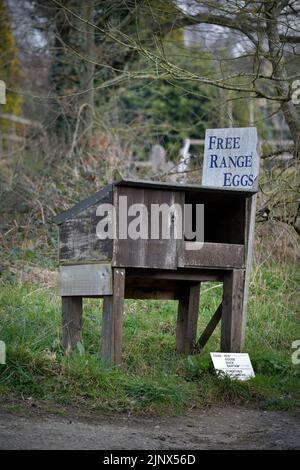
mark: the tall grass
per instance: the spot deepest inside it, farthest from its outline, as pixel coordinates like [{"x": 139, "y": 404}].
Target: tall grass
[{"x": 152, "y": 378}]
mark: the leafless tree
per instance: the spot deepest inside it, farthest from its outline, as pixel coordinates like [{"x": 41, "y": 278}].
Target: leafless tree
[{"x": 267, "y": 32}]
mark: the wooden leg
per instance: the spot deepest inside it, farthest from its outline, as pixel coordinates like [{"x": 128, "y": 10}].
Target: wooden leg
[
  {"x": 107, "y": 340},
  {"x": 251, "y": 213},
  {"x": 187, "y": 319},
  {"x": 232, "y": 311},
  {"x": 112, "y": 325},
  {"x": 71, "y": 322}
]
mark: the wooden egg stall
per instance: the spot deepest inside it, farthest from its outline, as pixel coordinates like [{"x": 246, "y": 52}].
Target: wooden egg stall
[{"x": 156, "y": 268}]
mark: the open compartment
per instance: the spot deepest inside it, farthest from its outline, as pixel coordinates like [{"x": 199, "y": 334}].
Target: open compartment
[
  {"x": 224, "y": 229},
  {"x": 224, "y": 216}
]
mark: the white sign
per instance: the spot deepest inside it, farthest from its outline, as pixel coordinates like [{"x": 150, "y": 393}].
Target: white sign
[
  {"x": 236, "y": 365},
  {"x": 2, "y": 92},
  {"x": 231, "y": 159},
  {"x": 2, "y": 353}
]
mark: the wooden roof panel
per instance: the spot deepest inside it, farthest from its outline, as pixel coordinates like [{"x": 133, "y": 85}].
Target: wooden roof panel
[{"x": 96, "y": 197}]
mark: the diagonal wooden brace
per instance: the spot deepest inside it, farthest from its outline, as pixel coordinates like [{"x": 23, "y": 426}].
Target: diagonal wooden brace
[{"x": 209, "y": 329}]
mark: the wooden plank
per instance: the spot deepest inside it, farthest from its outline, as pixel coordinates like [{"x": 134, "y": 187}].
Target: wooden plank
[
  {"x": 161, "y": 253},
  {"x": 207, "y": 195},
  {"x": 160, "y": 185},
  {"x": 112, "y": 326},
  {"x": 213, "y": 323},
  {"x": 147, "y": 253},
  {"x": 250, "y": 225},
  {"x": 78, "y": 242},
  {"x": 232, "y": 311},
  {"x": 181, "y": 323},
  {"x": 219, "y": 255},
  {"x": 85, "y": 280},
  {"x": 186, "y": 328},
  {"x": 71, "y": 322},
  {"x": 146, "y": 293},
  {"x": 146, "y": 288},
  {"x": 119, "y": 289},
  {"x": 181, "y": 274},
  {"x": 192, "y": 320},
  {"x": 78, "y": 239},
  {"x": 104, "y": 194},
  {"x": 107, "y": 337}
]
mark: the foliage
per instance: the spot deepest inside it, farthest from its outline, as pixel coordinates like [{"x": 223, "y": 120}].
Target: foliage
[
  {"x": 168, "y": 105},
  {"x": 153, "y": 378},
  {"x": 10, "y": 70},
  {"x": 71, "y": 57}
]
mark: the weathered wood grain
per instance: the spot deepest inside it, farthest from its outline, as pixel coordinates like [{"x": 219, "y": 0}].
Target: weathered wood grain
[
  {"x": 107, "y": 334},
  {"x": 85, "y": 280},
  {"x": 180, "y": 274},
  {"x": 187, "y": 319},
  {"x": 92, "y": 200},
  {"x": 159, "y": 269},
  {"x": 112, "y": 325},
  {"x": 118, "y": 295},
  {"x": 78, "y": 240},
  {"x": 147, "y": 293},
  {"x": 150, "y": 253},
  {"x": 232, "y": 311},
  {"x": 212, "y": 192},
  {"x": 249, "y": 236},
  {"x": 143, "y": 287},
  {"x": 71, "y": 322},
  {"x": 219, "y": 255}
]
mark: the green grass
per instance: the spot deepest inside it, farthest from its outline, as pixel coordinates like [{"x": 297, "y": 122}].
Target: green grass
[{"x": 152, "y": 379}]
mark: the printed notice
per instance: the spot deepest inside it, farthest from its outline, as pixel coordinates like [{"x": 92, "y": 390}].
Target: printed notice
[
  {"x": 236, "y": 365},
  {"x": 2, "y": 92},
  {"x": 2, "y": 353}
]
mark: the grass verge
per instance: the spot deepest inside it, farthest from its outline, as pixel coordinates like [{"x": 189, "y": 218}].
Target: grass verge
[{"x": 153, "y": 379}]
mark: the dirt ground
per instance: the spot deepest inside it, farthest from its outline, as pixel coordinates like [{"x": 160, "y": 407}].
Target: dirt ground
[{"x": 226, "y": 428}]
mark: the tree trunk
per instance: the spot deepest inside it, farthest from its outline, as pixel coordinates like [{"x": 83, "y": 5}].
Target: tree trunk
[
  {"x": 90, "y": 69},
  {"x": 276, "y": 58}
]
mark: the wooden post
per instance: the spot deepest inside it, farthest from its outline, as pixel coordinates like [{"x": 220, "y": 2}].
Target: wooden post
[
  {"x": 107, "y": 339},
  {"x": 249, "y": 237},
  {"x": 232, "y": 311},
  {"x": 71, "y": 322},
  {"x": 89, "y": 11},
  {"x": 112, "y": 325},
  {"x": 187, "y": 319}
]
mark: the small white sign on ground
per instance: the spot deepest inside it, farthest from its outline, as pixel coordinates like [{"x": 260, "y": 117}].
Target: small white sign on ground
[
  {"x": 231, "y": 159},
  {"x": 236, "y": 365},
  {"x": 2, "y": 92},
  {"x": 2, "y": 353}
]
